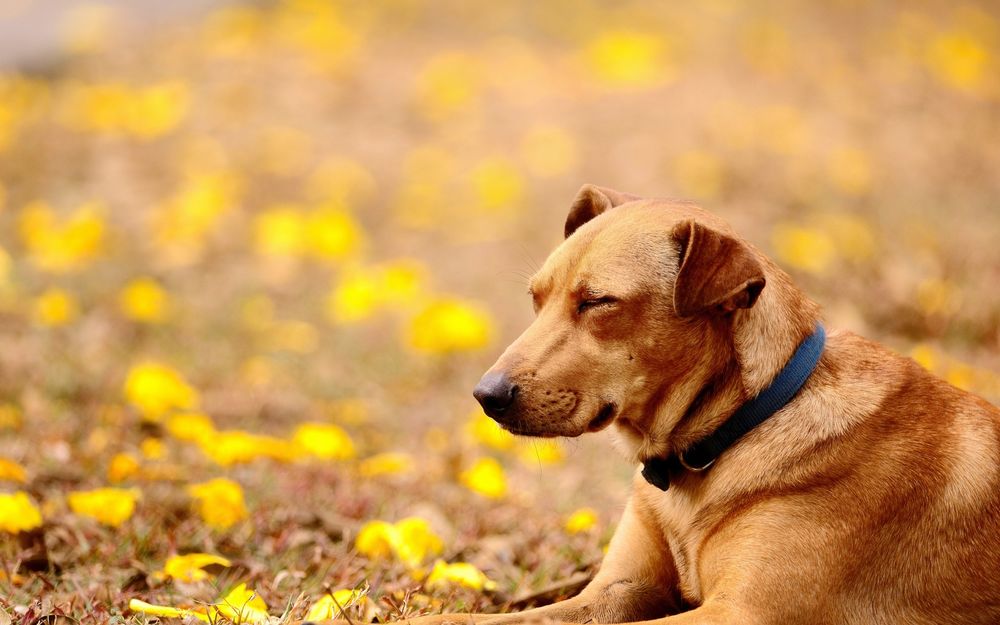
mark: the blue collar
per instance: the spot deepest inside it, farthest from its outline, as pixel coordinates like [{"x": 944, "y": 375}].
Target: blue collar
[{"x": 785, "y": 385}]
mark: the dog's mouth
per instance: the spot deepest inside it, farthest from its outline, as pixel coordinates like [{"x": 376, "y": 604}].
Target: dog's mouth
[{"x": 603, "y": 419}]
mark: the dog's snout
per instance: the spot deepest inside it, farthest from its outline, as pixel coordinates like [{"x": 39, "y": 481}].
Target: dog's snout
[{"x": 496, "y": 393}]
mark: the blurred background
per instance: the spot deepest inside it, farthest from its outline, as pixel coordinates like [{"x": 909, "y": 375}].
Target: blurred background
[{"x": 254, "y": 256}]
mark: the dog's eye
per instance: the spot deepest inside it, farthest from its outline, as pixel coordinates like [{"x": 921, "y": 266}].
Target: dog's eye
[{"x": 587, "y": 304}]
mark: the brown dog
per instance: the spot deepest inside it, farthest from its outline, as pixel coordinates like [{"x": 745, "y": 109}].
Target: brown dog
[{"x": 871, "y": 497}]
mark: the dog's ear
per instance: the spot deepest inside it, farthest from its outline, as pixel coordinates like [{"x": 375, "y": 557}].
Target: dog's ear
[
  {"x": 592, "y": 200},
  {"x": 718, "y": 273}
]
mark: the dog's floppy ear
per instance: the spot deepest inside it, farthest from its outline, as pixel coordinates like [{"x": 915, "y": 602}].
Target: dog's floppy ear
[
  {"x": 718, "y": 273},
  {"x": 592, "y": 200}
]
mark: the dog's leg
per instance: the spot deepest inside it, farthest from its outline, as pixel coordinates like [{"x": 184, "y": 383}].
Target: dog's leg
[{"x": 637, "y": 581}]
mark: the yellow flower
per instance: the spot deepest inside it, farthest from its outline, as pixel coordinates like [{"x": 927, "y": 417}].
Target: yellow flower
[
  {"x": 163, "y": 611},
  {"x": 925, "y": 355},
  {"x": 62, "y": 245},
  {"x": 243, "y": 605},
  {"x": 116, "y": 108},
  {"x": 450, "y": 325},
  {"x": 959, "y": 59},
  {"x": 157, "y": 110},
  {"x": 240, "y": 606},
  {"x": 331, "y": 605},
  {"x": 230, "y": 447},
  {"x": 109, "y": 506},
  {"x": 388, "y": 463},
  {"x": 11, "y": 416},
  {"x": 363, "y": 291},
  {"x": 355, "y": 298},
  {"x": 190, "y": 567},
  {"x": 12, "y": 471},
  {"x": 960, "y": 375},
  {"x": 377, "y": 539},
  {"x": 156, "y": 389},
  {"x": 55, "y": 307},
  {"x": 460, "y": 573},
  {"x": 318, "y": 31},
  {"x": 938, "y": 297},
  {"x": 333, "y": 234},
  {"x": 18, "y": 513},
  {"x": 535, "y": 452},
  {"x": 183, "y": 223},
  {"x": 631, "y": 59},
  {"x": 402, "y": 281},
  {"x": 450, "y": 83},
  {"x": 122, "y": 467},
  {"x": 99, "y": 107},
  {"x": 487, "y": 432},
  {"x": 410, "y": 540},
  {"x": 280, "y": 231},
  {"x": 548, "y": 151},
  {"x": 582, "y": 520},
  {"x": 808, "y": 249},
  {"x": 498, "y": 185},
  {"x": 324, "y": 440},
  {"x": 153, "y": 448},
  {"x": 190, "y": 426},
  {"x": 219, "y": 502},
  {"x": 144, "y": 300},
  {"x": 417, "y": 541},
  {"x": 485, "y": 477}
]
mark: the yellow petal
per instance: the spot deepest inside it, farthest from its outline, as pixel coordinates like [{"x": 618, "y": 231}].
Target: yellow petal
[
  {"x": 189, "y": 567},
  {"x": 376, "y": 539},
  {"x": 460, "y": 573},
  {"x": 109, "y": 506},
  {"x": 582, "y": 520},
  {"x": 220, "y": 502},
  {"x": 485, "y": 477},
  {"x": 10, "y": 470},
  {"x": 243, "y": 605},
  {"x": 388, "y": 463},
  {"x": 165, "y": 611},
  {"x": 18, "y": 513},
  {"x": 326, "y": 607}
]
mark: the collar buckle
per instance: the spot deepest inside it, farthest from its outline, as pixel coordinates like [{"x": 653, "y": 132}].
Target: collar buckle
[{"x": 684, "y": 463}]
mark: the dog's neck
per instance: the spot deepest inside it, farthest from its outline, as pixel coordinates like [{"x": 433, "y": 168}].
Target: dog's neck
[{"x": 750, "y": 349}]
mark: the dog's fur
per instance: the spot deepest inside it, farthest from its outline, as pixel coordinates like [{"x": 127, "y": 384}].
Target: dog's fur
[{"x": 873, "y": 497}]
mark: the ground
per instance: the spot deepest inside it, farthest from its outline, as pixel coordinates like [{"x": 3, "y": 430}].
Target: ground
[{"x": 253, "y": 261}]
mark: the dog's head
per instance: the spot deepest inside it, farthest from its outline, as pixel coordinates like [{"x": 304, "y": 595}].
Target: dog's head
[{"x": 631, "y": 310}]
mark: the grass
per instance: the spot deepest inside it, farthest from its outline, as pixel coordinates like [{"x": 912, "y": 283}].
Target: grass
[{"x": 274, "y": 168}]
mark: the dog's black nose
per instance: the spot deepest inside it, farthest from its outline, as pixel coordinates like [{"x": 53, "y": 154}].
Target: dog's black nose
[{"x": 495, "y": 393}]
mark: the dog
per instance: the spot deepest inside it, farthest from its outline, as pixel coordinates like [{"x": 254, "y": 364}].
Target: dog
[{"x": 786, "y": 474}]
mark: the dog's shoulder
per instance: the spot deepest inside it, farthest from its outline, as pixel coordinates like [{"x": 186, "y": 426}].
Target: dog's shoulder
[{"x": 866, "y": 372}]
